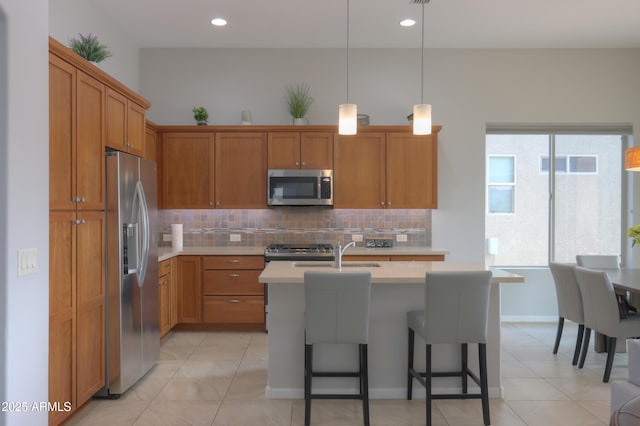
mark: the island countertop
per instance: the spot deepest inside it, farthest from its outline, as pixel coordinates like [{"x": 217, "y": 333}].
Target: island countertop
[{"x": 288, "y": 272}]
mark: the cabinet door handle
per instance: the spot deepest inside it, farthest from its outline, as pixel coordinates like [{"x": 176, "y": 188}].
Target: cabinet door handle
[
  {"x": 76, "y": 199},
  {"x": 217, "y": 203},
  {"x": 234, "y": 275},
  {"x": 382, "y": 203},
  {"x": 211, "y": 203},
  {"x": 233, "y": 301},
  {"x": 388, "y": 203},
  {"x": 82, "y": 200},
  {"x": 304, "y": 164},
  {"x": 233, "y": 261},
  {"x": 79, "y": 221},
  {"x": 297, "y": 163}
]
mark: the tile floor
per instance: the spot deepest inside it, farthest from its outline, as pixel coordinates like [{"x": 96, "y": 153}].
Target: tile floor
[{"x": 218, "y": 379}]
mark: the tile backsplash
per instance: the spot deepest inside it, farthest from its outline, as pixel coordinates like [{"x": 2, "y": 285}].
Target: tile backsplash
[{"x": 257, "y": 228}]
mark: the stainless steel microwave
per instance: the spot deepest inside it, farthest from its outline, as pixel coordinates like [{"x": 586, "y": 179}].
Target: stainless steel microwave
[{"x": 299, "y": 187}]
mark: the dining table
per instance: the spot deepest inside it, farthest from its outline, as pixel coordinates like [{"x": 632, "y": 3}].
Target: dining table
[{"x": 627, "y": 279}]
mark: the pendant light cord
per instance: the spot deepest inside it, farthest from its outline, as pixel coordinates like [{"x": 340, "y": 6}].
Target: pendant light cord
[
  {"x": 347, "y": 51},
  {"x": 422, "y": 61}
]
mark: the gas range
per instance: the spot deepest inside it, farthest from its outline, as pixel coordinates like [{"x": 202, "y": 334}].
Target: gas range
[{"x": 299, "y": 251}]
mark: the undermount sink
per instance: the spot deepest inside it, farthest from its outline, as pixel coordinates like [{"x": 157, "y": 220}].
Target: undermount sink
[{"x": 330, "y": 265}]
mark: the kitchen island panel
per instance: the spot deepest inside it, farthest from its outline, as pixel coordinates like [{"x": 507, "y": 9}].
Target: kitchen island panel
[{"x": 390, "y": 301}]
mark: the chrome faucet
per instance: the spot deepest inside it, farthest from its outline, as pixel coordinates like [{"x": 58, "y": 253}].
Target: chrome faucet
[{"x": 340, "y": 252}]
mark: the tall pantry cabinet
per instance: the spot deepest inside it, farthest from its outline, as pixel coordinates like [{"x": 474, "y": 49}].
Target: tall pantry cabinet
[{"x": 77, "y": 129}]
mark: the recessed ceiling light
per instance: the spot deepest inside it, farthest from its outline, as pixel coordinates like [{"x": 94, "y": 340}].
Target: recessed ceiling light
[
  {"x": 219, "y": 22},
  {"x": 407, "y": 22}
]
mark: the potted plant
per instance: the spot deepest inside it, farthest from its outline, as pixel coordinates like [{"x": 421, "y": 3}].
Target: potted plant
[
  {"x": 299, "y": 102},
  {"x": 201, "y": 115},
  {"x": 90, "y": 48}
]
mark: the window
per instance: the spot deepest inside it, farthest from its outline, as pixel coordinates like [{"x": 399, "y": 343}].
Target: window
[
  {"x": 571, "y": 164},
  {"x": 576, "y": 209},
  {"x": 501, "y": 186}
]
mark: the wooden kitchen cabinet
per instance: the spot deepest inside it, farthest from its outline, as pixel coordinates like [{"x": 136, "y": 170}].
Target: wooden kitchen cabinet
[
  {"x": 164, "y": 296},
  {"x": 77, "y": 289},
  {"x": 300, "y": 150},
  {"x": 125, "y": 123},
  {"x": 231, "y": 291},
  {"x": 241, "y": 170},
  {"x": 189, "y": 298},
  {"x": 76, "y": 236},
  {"x": 187, "y": 171},
  {"x": 76, "y": 308},
  {"x": 151, "y": 143},
  {"x": 90, "y": 300},
  {"x": 386, "y": 170},
  {"x": 412, "y": 171},
  {"x": 359, "y": 171},
  {"x": 173, "y": 308},
  {"x": 76, "y": 138}
]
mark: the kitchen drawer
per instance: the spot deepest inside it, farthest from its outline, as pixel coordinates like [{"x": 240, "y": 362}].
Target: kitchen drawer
[
  {"x": 164, "y": 267},
  {"x": 231, "y": 281},
  {"x": 233, "y": 309},
  {"x": 233, "y": 262}
]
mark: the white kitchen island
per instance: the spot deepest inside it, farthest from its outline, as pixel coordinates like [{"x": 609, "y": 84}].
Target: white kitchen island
[{"x": 397, "y": 287}]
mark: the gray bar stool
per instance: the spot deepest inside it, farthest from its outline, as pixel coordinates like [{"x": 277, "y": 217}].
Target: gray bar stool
[
  {"x": 337, "y": 312},
  {"x": 456, "y": 311}
]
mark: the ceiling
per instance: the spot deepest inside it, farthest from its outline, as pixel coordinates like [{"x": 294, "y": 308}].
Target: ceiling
[{"x": 375, "y": 23}]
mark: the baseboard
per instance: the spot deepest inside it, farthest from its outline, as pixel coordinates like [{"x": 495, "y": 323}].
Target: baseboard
[
  {"x": 528, "y": 318},
  {"x": 376, "y": 393}
]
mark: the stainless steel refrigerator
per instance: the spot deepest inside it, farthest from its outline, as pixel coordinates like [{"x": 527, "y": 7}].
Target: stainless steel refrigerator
[{"x": 133, "y": 337}]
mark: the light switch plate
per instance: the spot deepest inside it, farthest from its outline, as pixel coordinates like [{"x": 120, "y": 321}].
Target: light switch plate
[
  {"x": 401, "y": 238},
  {"x": 27, "y": 261},
  {"x": 356, "y": 237},
  {"x": 235, "y": 237}
]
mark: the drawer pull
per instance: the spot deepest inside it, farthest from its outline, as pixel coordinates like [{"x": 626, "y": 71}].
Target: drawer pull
[
  {"x": 233, "y": 301},
  {"x": 234, "y": 275},
  {"x": 233, "y": 261}
]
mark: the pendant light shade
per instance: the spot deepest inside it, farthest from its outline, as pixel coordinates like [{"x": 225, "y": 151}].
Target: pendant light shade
[
  {"x": 422, "y": 119},
  {"x": 632, "y": 159},
  {"x": 348, "y": 119},
  {"x": 347, "y": 113}
]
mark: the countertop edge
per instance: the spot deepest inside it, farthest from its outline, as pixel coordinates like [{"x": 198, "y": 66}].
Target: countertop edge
[{"x": 165, "y": 253}]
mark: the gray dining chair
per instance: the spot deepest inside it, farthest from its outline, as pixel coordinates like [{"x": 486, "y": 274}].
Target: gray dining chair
[
  {"x": 601, "y": 314},
  {"x": 604, "y": 261},
  {"x": 569, "y": 304},
  {"x": 456, "y": 310},
  {"x": 337, "y": 312}
]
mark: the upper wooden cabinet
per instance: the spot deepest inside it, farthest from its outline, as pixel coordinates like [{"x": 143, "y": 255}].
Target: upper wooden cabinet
[
  {"x": 125, "y": 124},
  {"x": 76, "y": 138},
  {"x": 380, "y": 167},
  {"x": 241, "y": 170},
  {"x": 412, "y": 171},
  {"x": 386, "y": 170},
  {"x": 187, "y": 171},
  {"x": 151, "y": 151},
  {"x": 359, "y": 170},
  {"x": 300, "y": 150}
]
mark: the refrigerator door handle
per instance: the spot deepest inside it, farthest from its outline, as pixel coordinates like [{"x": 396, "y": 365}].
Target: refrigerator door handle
[{"x": 143, "y": 246}]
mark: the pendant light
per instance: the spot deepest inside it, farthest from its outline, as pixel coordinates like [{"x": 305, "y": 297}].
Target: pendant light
[
  {"x": 347, "y": 113},
  {"x": 422, "y": 111},
  {"x": 632, "y": 159}
]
